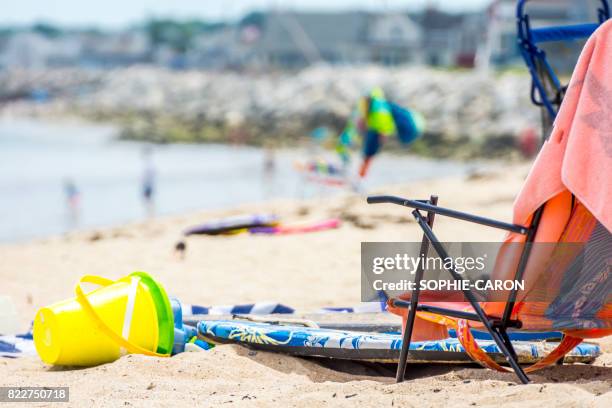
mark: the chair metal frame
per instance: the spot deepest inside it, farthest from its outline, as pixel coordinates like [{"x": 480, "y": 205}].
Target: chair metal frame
[
  {"x": 535, "y": 57},
  {"x": 497, "y": 327}
]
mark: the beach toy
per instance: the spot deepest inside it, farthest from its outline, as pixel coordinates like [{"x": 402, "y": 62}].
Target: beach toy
[
  {"x": 130, "y": 315},
  {"x": 183, "y": 334}
]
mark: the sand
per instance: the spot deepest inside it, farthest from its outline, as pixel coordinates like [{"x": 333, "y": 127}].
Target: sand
[{"x": 304, "y": 271}]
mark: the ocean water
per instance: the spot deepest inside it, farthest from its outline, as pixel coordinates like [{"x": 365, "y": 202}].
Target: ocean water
[{"x": 36, "y": 159}]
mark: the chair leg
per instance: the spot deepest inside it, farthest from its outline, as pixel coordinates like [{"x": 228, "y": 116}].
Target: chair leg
[
  {"x": 506, "y": 339},
  {"x": 441, "y": 251},
  {"x": 504, "y": 335},
  {"x": 403, "y": 359},
  {"x": 414, "y": 300},
  {"x": 509, "y": 353}
]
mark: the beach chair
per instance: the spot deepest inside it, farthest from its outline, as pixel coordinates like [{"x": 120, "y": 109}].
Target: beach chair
[
  {"x": 515, "y": 313},
  {"x": 546, "y": 88},
  {"x": 566, "y": 199}
]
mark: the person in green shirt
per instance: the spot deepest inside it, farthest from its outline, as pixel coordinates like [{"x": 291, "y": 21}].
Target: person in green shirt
[{"x": 373, "y": 121}]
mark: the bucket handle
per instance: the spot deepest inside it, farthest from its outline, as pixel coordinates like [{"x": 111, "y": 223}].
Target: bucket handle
[{"x": 93, "y": 315}]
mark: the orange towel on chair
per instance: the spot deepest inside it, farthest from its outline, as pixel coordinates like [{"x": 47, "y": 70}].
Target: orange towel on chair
[{"x": 578, "y": 155}]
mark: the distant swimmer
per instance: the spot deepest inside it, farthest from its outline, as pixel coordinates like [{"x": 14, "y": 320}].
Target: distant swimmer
[
  {"x": 269, "y": 160},
  {"x": 149, "y": 177},
  {"x": 73, "y": 199},
  {"x": 269, "y": 170}
]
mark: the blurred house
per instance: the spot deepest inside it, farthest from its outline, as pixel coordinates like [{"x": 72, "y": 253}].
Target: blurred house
[
  {"x": 394, "y": 39},
  {"x": 293, "y": 40},
  {"x": 451, "y": 39},
  {"x": 296, "y": 39},
  {"x": 27, "y": 50},
  {"x": 32, "y": 50},
  {"x": 114, "y": 49},
  {"x": 222, "y": 48}
]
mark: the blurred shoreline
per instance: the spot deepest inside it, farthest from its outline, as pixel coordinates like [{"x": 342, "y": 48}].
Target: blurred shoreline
[{"x": 104, "y": 175}]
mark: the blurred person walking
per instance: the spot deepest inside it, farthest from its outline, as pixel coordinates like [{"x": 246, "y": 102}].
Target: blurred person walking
[
  {"x": 374, "y": 120},
  {"x": 269, "y": 163},
  {"x": 379, "y": 125},
  {"x": 269, "y": 169},
  {"x": 149, "y": 181},
  {"x": 73, "y": 201}
]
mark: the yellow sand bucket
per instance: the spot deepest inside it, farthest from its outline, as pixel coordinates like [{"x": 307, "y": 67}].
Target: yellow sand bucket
[{"x": 130, "y": 315}]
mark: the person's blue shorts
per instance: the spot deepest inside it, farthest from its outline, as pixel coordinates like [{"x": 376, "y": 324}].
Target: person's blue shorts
[{"x": 371, "y": 144}]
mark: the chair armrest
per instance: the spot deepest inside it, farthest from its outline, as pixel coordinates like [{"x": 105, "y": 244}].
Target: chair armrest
[{"x": 424, "y": 206}]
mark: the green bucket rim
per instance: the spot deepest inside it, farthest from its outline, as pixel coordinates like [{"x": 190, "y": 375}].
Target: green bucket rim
[{"x": 165, "y": 316}]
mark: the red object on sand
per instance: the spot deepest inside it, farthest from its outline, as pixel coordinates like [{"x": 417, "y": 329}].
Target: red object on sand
[{"x": 528, "y": 142}]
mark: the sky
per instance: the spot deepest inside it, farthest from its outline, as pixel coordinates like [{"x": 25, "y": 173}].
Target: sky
[{"x": 117, "y": 13}]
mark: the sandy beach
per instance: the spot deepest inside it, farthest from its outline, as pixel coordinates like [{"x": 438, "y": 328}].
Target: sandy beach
[{"x": 304, "y": 271}]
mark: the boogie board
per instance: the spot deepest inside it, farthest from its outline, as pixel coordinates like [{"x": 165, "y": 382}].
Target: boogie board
[
  {"x": 298, "y": 228},
  {"x": 373, "y": 347},
  {"x": 232, "y": 224}
]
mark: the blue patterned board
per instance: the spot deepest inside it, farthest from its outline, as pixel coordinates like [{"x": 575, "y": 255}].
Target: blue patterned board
[{"x": 382, "y": 347}]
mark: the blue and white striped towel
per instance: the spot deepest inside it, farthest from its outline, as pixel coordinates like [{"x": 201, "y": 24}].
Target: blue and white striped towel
[
  {"x": 265, "y": 308},
  {"x": 16, "y": 346},
  {"x": 260, "y": 308}
]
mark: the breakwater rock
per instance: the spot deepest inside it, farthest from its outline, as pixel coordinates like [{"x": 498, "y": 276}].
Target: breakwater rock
[{"x": 468, "y": 112}]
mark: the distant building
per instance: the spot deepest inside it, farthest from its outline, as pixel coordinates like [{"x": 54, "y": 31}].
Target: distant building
[
  {"x": 31, "y": 50},
  {"x": 115, "y": 48},
  {"x": 394, "y": 39},
  {"x": 27, "y": 49},
  {"x": 292, "y": 40},
  {"x": 285, "y": 39},
  {"x": 223, "y": 48},
  {"x": 450, "y": 39}
]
